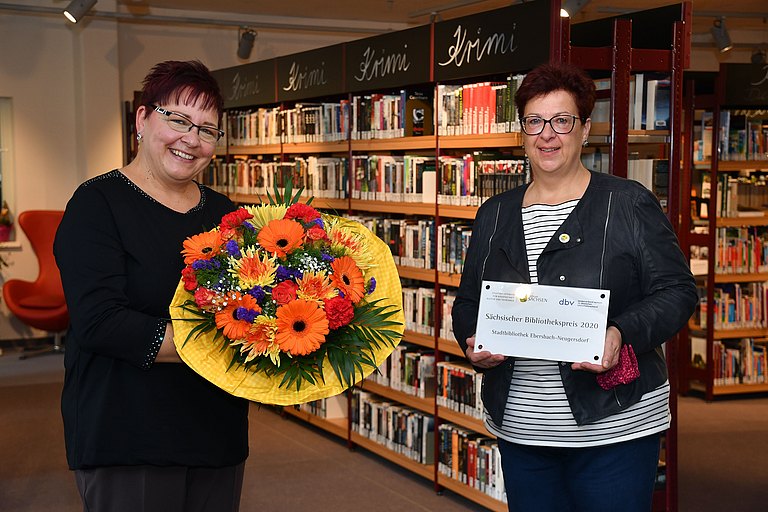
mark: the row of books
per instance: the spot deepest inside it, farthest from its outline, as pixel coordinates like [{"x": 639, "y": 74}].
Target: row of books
[
  {"x": 327, "y": 408},
  {"x": 472, "y": 459},
  {"x": 649, "y": 99},
  {"x": 252, "y": 127},
  {"x": 743, "y": 135},
  {"x": 741, "y": 250},
  {"x": 408, "y": 178},
  {"x": 738, "y": 306},
  {"x": 409, "y": 369},
  {"x": 741, "y": 362},
  {"x": 322, "y": 177},
  {"x": 741, "y": 196},
  {"x": 411, "y": 240},
  {"x": 315, "y": 122},
  {"x": 478, "y": 108},
  {"x": 471, "y": 179},
  {"x": 458, "y": 388},
  {"x": 452, "y": 244},
  {"x": 399, "y": 428},
  {"x": 387, "y": 116},
  {"x": 419, "y": 309}
]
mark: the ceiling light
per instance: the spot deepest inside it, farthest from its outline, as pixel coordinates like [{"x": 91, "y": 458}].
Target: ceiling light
[
  {"x": 720, "y": 35},
  {"x": 77, "y": 9},
  {"x": 570, "y": 8},
  {"x": 245, "y": 45}
]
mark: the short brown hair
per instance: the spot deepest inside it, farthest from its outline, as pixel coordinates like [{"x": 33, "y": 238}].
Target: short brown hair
[
  {"x": 548, "y": 78},
  {"x": 179, "y": 81}
]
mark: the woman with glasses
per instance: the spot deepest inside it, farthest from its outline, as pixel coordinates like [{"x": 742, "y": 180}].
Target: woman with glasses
[
  {"x": 143, "y": 431},
  {"x": 577, "y": 436}
]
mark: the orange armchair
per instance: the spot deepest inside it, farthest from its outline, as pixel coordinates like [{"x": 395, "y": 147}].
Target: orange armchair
[{"x": 40, "y": 304}]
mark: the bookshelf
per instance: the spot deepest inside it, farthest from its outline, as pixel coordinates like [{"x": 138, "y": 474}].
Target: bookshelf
[
  {"x": 725, "y": 226},
  {"x": 410, "y": 64}
]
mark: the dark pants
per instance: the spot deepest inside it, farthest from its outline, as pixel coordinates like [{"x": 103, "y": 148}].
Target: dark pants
[
  {"x": 160, "y": 489},
  {"x": 610, "y": 478}
]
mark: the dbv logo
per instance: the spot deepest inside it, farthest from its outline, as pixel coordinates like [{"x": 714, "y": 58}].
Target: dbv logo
[{"x": 566, "y": 302}]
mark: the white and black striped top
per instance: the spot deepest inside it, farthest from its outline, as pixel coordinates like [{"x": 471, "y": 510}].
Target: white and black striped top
[{"x": 537, "y": 411}]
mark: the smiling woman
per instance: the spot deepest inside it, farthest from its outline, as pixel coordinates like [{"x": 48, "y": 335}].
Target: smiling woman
[{"x": 135, "y": 418}]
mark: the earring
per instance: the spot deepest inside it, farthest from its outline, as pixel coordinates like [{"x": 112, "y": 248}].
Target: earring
[
  {"x": 138, "y": 137},
  {"x": 585, "y": 143}
]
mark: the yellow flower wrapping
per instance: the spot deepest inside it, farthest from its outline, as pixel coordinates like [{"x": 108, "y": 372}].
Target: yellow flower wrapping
[{"x": 206, "y": 357}]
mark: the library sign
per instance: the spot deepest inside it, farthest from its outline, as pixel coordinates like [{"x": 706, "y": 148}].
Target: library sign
[
  {"x": 311, "y": 74},
  {"x": 746, "y": 85},
  {"x": 395, "y": 59},
  {"x": 247, "y": 85},
  {"x": 515, "y": 37}
]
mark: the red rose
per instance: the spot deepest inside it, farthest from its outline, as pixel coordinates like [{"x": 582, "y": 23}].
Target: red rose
[
  {"x": 189, "y": 278},
  {"x": 232, "y": 221},
  {"x": 316, "y": 233},
  {"x": 339, "y": 311},
  {"x": 284, "y": 292},
  {"x": 204, "y": 298},
  {"x": 303, "y": 212}
]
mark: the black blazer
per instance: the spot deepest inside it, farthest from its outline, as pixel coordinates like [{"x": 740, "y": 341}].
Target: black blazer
[{"x": 619, "y": 239}]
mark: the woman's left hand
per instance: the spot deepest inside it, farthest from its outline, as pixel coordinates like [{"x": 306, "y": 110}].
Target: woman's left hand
[{"x": 610, "y": 353}]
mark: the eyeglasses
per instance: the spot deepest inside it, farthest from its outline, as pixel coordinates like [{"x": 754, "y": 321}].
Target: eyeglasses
[
  {"x": 182, "y": 124},
  {"x": 561, "y": 123}
]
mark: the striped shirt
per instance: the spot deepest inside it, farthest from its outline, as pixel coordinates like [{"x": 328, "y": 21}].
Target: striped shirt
[{"x": 537, "y": 410}]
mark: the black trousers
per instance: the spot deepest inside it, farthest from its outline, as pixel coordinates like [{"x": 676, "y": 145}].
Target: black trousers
[{"x": 160, "y": 489}]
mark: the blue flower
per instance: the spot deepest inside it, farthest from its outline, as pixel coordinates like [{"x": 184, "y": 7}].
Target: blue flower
[
  {"x": 246, "y": 314},
  {"x": 371, "y": 285},
  {"x": 257, "y": 292},
  {"x": 232, "y": 248},
  {"x": 206, "y": 264}
]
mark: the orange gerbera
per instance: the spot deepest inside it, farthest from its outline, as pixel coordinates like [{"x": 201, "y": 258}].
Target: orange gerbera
[
  {"x": 348, "y": 278},
  {"x": 201, "y": 247},
  {"x": 315, "y": 286},
  {"x": 280, "y": 237},
  {"x": 235, "y": 319},
  {"x": 301, "y": 327}
]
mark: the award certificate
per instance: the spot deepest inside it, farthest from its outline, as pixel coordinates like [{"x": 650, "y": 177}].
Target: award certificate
[{"x": 556, "y": 323}]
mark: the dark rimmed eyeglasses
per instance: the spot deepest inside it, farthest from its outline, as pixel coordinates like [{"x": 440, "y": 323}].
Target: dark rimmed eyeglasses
[
  {"x": 183, "y": 124},
  {"x": 561, "y": 123}
]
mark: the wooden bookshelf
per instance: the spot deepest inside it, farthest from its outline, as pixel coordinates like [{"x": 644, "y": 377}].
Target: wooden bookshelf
[{"x": 336, "y": 426}]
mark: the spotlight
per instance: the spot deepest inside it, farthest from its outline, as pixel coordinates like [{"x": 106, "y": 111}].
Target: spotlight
[
  {"x": 720, "y": 35},
  {"x": 570, "y": 8},
  {"x": 245, "y": 45},
  {"x": 77, "y": 9},
  {"x": 758, "y": 57}
]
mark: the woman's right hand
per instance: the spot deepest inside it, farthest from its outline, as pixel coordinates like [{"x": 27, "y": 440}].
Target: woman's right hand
[{"x": 482, "y": 359}]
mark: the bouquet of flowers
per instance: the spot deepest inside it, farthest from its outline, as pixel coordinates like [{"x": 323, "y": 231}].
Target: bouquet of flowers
[{"x": 282, "y": 304}]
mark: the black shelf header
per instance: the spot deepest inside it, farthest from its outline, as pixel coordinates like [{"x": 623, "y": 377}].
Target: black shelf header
[
  {"x": 247, "y": 85},
  {"x": 746, "y": 85},
  {"x": 311, "y": 74},
  {"x": 505, "y": 40},
  {"x": 394, "y": 59}
]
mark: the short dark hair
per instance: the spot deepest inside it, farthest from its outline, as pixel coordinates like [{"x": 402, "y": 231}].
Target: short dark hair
[
  {"x": 548, "y": 78},
  {"x": 182, "y": 81}
]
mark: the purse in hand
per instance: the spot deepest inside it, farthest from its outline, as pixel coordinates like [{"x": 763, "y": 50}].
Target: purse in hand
[{"x": 623, "y": 373}]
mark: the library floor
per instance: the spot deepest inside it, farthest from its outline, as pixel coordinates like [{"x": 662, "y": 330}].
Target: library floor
[{"x": 293, "y": 467}]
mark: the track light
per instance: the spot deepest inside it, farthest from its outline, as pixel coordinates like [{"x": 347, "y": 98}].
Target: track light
[
  {"x": 77, "y": 9},
  {"x": 245, "y": 45},
  {"x": 570, "y": 8},
  {"x": 720, "y": 35}
]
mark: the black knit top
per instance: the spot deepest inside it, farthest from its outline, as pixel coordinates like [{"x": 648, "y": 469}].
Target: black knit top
[{"x": 119, "y": 252}]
